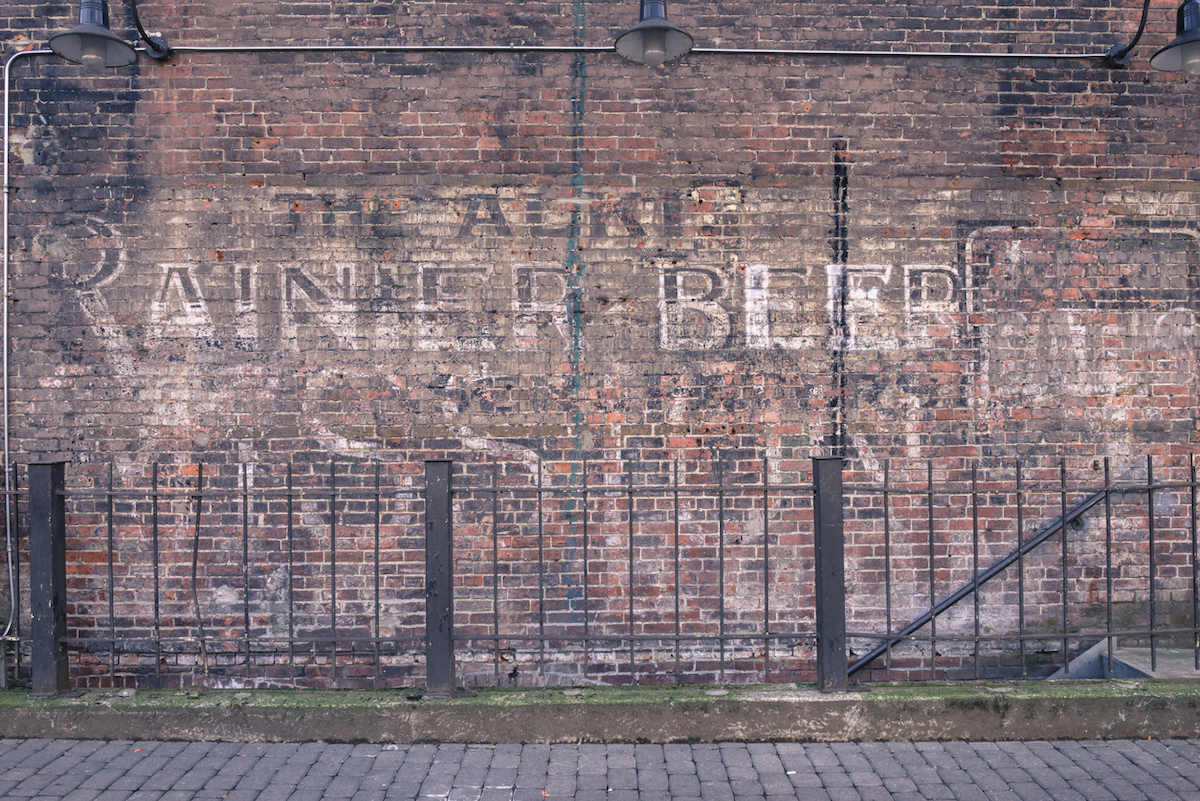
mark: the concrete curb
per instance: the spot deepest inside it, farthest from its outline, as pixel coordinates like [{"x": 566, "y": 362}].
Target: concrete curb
[
  {"x": 842, "y": 720},
  {"x": 1074, "y": 710}
]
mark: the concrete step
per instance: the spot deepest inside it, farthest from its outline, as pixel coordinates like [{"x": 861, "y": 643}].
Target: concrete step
[{"x": 1131, "y": 662}]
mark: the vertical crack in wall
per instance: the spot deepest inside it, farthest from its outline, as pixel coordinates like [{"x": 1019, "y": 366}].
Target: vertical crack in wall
[
  {"x": 574, "y": 301},
  {"x": 573, "y": 263},
  {"x": 839, "y": 338}
]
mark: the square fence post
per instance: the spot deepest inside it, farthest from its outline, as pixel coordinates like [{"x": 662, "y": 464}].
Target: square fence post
[
  {"x": 48, "y": 578},
  {"x": 830, "y": 574},
  {"x": 439, "y": 579}
]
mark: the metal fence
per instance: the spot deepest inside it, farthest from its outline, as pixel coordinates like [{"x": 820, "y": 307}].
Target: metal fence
[{"x": 446, "y": 575}]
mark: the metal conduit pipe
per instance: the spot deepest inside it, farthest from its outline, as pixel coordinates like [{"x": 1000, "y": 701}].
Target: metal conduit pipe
[
  {"x": 9, "y": 543},
  {"x": 482, "y": 49}
]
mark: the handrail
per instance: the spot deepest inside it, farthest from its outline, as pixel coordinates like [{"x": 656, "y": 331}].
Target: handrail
[{"x": 1049, "y": 530}]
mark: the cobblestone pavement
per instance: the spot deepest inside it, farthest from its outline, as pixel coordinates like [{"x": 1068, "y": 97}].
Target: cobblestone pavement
[{"x": 1013, "y": 771}]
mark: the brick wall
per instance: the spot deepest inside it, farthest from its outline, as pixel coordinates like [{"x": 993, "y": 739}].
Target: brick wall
[{"x": 265, "y": 258}]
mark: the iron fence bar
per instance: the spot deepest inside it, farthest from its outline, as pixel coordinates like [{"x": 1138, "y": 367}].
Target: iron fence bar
[
  {"x": 975, "y": 554},
  {"x": 112, "y": 584},
  {"x": 291, "y": 579},
  {"x": 932, "y": 594},
  {"x": 1021, "y": 571},
  {"x": 1195, "y": 588},
  {"x": 1047, "y": 531},
  {"x": 246, "y": 563},
  {"x": 586, "y": 600},
  {"x": 766, "y": 571},
  {"x": 721, "y": 561},
  {"x": 154, "y": 559},
  {"x": 1062, "y": 497},
  {"x": 195, "y": 561},
  {"x": 495, "y": 570},
  {"x": 675, "y": 464},
  {"x": 887, "y": 565},
  {"x": 541, "y": 576},
  {"x": 1153, "y": 583},
  {"x": 333, "y": 598},
  {"x": 1108, "y": 601},
  {"x": 378, "y": 611},
  {"x": 632, "y": 653}
]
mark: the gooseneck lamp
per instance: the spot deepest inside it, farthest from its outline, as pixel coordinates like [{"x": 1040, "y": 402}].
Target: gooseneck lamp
[
  {"x": 653, "y": 40},
  {"x": 1182, "y": 52},
  {"x": 91, "y": 43}
]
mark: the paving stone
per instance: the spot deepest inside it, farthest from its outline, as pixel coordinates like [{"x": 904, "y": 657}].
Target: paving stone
[{"x": 1086, "y": 771}]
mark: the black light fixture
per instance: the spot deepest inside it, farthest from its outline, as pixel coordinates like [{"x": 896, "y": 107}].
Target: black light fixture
[
  {"x": 91, "y": 43},
  {"x": 653, "y": 40},
  {"x": 1182, "y": 52}
]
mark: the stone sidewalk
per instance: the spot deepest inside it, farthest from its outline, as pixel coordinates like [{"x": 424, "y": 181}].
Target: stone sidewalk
[{"x": 88, "y": 770}]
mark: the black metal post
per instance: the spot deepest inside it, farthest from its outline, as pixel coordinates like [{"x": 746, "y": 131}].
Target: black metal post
[
  {"x": 439, "y": 580},
  {"x": 48, "y": 578},
  {"x": 830, "y": 574}
]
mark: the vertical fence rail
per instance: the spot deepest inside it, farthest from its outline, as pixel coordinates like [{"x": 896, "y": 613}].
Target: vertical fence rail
[
  {"x": 932, "y": 579},
  {"x": 632, "y": 655},
  {"x": 199, "y": 497},
  {"x": 1195, "y": 584},
  {"x": 439, "y": 579},
  {"x": 376, "y": 499},
  {"x": 333, "y": 573},
  {"x": 496, "y": 571},
  {"x": 154, "y": 554},
  {"x": 1153, "y": 577},
  {"x": 675, "y": 559},
  {"x": 766, "y": 492},
  {"x": 1062, "y": 497},
  {"x": 112, "y": 585},
  {"x": 1108, "y": 566},
  {"x": 887, "y": 565},
  {"x": 246, "y": 567},
  {"x": 291, "y": 573},
  {"x": 721, "y": 567},
  {"x": 587, "y": 608},
  {"x": 830, "y": 574},
  {"x": 48, "y": 578},
  {"x": 1021, "y": 573},
  {"x": 975, "y": 558}
]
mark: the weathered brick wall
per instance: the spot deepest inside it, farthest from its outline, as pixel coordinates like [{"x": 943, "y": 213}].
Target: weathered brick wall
[{"x": 273, "y": 257}]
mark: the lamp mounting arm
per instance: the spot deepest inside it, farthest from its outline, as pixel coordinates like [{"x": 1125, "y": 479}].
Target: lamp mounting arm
[
  {"x": 1117, "y": 56},
  {"x": 156, "y": 45}
]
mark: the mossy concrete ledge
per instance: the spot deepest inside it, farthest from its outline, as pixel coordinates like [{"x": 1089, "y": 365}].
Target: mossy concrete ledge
[{"x": 926, "y": 711}]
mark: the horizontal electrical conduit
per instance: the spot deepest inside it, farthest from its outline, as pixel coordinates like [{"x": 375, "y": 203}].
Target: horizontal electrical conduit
[{"x": 730, "y": 51}]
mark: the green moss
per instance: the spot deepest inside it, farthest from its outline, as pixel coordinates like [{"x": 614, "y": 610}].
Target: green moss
[{"x": 968, "y": 694}]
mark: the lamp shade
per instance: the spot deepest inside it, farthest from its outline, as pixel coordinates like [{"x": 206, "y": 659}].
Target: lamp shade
[
  {"x": 91, "y": 43},
  {"x": 653, "y": 40},
  {"x": 1182, "y": 52}
]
